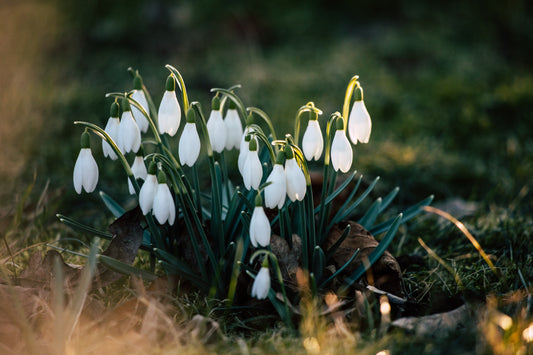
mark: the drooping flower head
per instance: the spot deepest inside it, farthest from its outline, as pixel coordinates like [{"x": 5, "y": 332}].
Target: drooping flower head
[
  {"x": 164, "y": 209},
  {"x": 189, "y": 146},
  {"x": 252, "y": 171},
  {"x": 85, "y": 170},
  {"x": 312, "y": 142},
  {"x": 276, "y": 191},
  {"x": 138, "y": 95},
  {"x": 138, "y": 168},
  {"x": 233, "y": 127},
  {"x": 148, "y": 190},
  {"x": 169, "y": 114},
  {"x": 111, "y": 129},
  {"x": 341, "y": 149},
  {"x": 261, "y": 285},
  {"x": 129, "y": 135},
  {"x": 294, "y": 176},
  {"x": 259, "y": 225},
  {"x": 215, "y": 126},
  {"x": 359, "y": 123}
]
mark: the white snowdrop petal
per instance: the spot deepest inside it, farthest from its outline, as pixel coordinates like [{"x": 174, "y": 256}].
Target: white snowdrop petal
[
  {"x": 341, "y": 152},
  {"x": 217, "y": 131},
  {"x": 90, "y": 172},
  {"x": 276, "y": 191},
  {"x": 189, "y": 146},
  {"x": 160, "y": 208},
  {"x": 85, "y": 174},
  {"x": 129, "y": 134},
  {"x": 259, "y": 228},
  {"x": 111, "y": 129},
  {"x": 169, "y": 114},
  {"x": 252, "y": 171},
  {"x": 147, "y": 193},
  {"x": 295, "y": 180},
  {"x": 140, "y": 118},
  {"x": 261, "y": 285},
  {"x": 312, "y": 142},
  {"x": 233, "y": 129},
  {"x": 359, "y": 123},
  {"x": 78, "y": 173}
]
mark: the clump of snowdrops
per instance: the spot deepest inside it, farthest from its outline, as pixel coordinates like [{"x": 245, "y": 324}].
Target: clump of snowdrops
[{"x": 226, "y": 224}]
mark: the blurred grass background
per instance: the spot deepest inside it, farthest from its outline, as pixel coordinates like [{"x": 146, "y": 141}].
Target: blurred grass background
[{"x": 449, "y": 85}]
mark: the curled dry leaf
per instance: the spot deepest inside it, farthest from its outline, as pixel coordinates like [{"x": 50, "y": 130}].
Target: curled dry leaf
[{"x": 385, "y": 274}]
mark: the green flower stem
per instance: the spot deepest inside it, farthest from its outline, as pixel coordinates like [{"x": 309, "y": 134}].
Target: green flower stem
[
  {"x": 265, "y": 118},
  {"x": 231, "y": 95},
  {"x": 151, "y": 105},
  {"x": 303, "y": 237},
  {"x": 217, "y": 227},
  {"x": 225, "y": 176},
  {"x": 277, "y": 269},
  {"x": 348, "y": 95},
  {"x": 258, "y": 132},
  {"x": 196, "y": 191},
  {"x": 308, "y": 107},
  {"x": 181, "y": 84}
]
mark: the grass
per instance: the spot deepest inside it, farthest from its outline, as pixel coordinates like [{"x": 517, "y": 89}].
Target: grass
[{"x": 452, "y": 117}]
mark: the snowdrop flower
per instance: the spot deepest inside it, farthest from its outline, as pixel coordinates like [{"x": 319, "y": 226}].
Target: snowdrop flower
[
  {"x": 164, "y": 209},
  {"x": 341, "y": 150},
  {"x": 111, "y": 128},
  {"x": 276, "y": 191},
  {"x": 215, "y": 127},
  {"x": 138, "y": 95},
  {"x": 169, "y": 114},
  {"x": 252, "y": 171},
  {"x": 138, "y": 168},
  {"x": 189, "y": 146},
  {"x": 244, "y": 149},
  {"x": 149, "y": 189},
  {"x": 261, "y": 285},
  {"x": 129, "y": 135},
  {"x": 85, "y": 169},
  {"x": 233, "y": 127},
  {"x": 259, "y": 225},
  {"x": 312, "y": 142},
  {"x": 294, "y": 177},
  {"x": 359, "y": 123}
]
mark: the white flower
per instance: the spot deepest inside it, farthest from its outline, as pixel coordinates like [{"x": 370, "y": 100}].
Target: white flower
[
  {"x": 233, "y": 129},
  {"x": 295, "y": 179},
  {"x": 276, "y": 191},
  {"x": 259, "y": 228},
  {"x": 312, "y": 142},
  {"x": 217, "y": 131},
  {"x": 341, "y": 152},
  {"x": 164, "y": 209},
  {"x": 147, "y": 193},
  {"x": 139, "y": 171},
  {"x": 111, "y": 128},
  {"x": 129, "y": 135},
  {"x": 359, "y": 123},
  {"x": 189, "y": 146},
  {"x": 261, "y": 285},
  {"x": 142, "y": 121},
  {"x": 252, "y": 171},
  {"x": 169, "y": 114},
  {"x": 85, "y": 171},
  {"x": 244, "y": 150}
]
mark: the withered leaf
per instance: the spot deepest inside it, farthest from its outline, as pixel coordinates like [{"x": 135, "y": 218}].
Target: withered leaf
[
  {"x": 127, "y": 238},
  {"x": 385, "y": 273}
]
